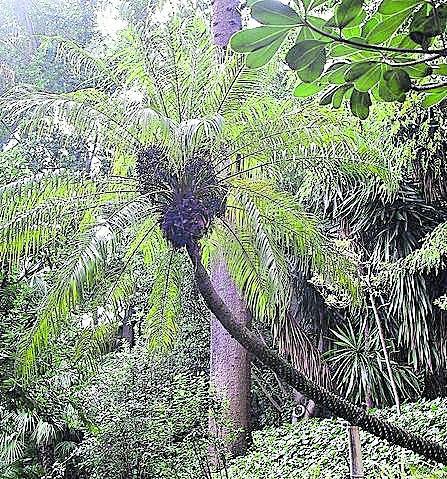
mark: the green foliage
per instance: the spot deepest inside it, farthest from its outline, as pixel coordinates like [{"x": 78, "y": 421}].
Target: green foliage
[
  {"x": 24, "y": 58},
  {"x": 149, "y": 419},
  {"x": 318, "y": 448},
  {"x": 386, "y": 51},
  {"x": 188, "y": 105},
  {"x": 357, "y": 364}
]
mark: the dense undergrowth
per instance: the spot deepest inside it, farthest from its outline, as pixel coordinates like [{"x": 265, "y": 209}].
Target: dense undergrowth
[{"x": 318, "y": 448}]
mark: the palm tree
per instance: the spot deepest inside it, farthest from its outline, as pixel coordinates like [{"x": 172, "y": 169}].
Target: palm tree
[{"x": 202, "y": 151}]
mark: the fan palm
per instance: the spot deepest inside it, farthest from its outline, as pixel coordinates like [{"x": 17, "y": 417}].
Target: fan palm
[{"x": 195, "y": 160}]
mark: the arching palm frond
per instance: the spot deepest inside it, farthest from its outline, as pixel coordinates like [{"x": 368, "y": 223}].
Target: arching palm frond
[
  {"x": 187, "y": 134},
  {"x": 87, "y": 67},
  {"x": 164, "y": 302},
  {"x": 268, "y": 235},
  {"x": 93, "y": 342},
  {"x": 431, "y": 254},
  {"x": 91, "y": 254},
  {"x": 28, "y": 209}
]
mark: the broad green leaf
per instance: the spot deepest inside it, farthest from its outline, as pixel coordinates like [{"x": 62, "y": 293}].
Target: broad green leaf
[
  {"x": 390, "y": 7},
  {"x": 303, "y": 90},
  {"x": 339, "y": 94},
  {"x": 366, "y": 81},
  {"x": 387, "y": 27},
  {"x": 402, "y": 41},
  {"x": 398, "y": 81},
  {"x": 253, "y": 39},
  {"x": 273, "y": 12},
  {"x": 307, "y": 33},
  {"x": 384, "y": 91},
  {"x": 419, "y": 71},
  {"x": 335, "y": 74},
  {"x": 347, "y": 12},
  {"x": 356, "y": 70},
  {"x": 304, "y": 53},
  {"x": 375, "y": 92},
  {"x": 424, "y": 27},
  {"x": 311, "y": 4},
  {"x": 360, "y": 103},
  {"x": 354, "y": 29},
  {"x": 263, "y": 55},
  {"x": 372, "y": 23},
  {"x": 342, "y": 49},
  {"x": 434, "y": 97},
  {"x": 315, "y": 69},
  {"x": 335, "y": 95},
  {"x": 364, "y": 75},
  {"x": 326, "y": 99}
]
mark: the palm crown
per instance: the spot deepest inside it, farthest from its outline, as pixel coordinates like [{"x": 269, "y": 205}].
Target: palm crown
[{"x": 193, "y": 158}]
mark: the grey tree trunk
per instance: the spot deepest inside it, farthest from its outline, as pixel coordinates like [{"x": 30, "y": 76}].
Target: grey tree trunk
[
  {"x": 230, "y": 373},
  {"x": 355, "y": 453},
  {"x": 226, "y": 20},
  {"x": 230, "y": 362},
  {"x": 21, "y": 8}
]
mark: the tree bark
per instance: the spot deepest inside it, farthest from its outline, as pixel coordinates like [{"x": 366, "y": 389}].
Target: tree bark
[
  {"x": 229, "y": 361},
  {"x": 21, "y": 8},
  {"x": 352, "y": 413},
  {"x": 226, "y": 20},
  {"x": 355, "y": 453}
]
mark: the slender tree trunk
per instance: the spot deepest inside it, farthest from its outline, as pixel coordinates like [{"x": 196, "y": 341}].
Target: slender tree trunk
[
  {"x": 352, "y": 413},
  {"x": 126, "y": 330},
  {"x": 355, "y": 453},
  {"x": 385, "y": 354},
  {"x": 229, "y": 361}
]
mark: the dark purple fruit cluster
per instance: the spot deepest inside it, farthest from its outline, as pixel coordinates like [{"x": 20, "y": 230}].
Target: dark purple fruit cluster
[
  {"x": 185, "y": 221},
  {"x": 188, "y": 200},
  {"x": 152, "y": 170}
]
